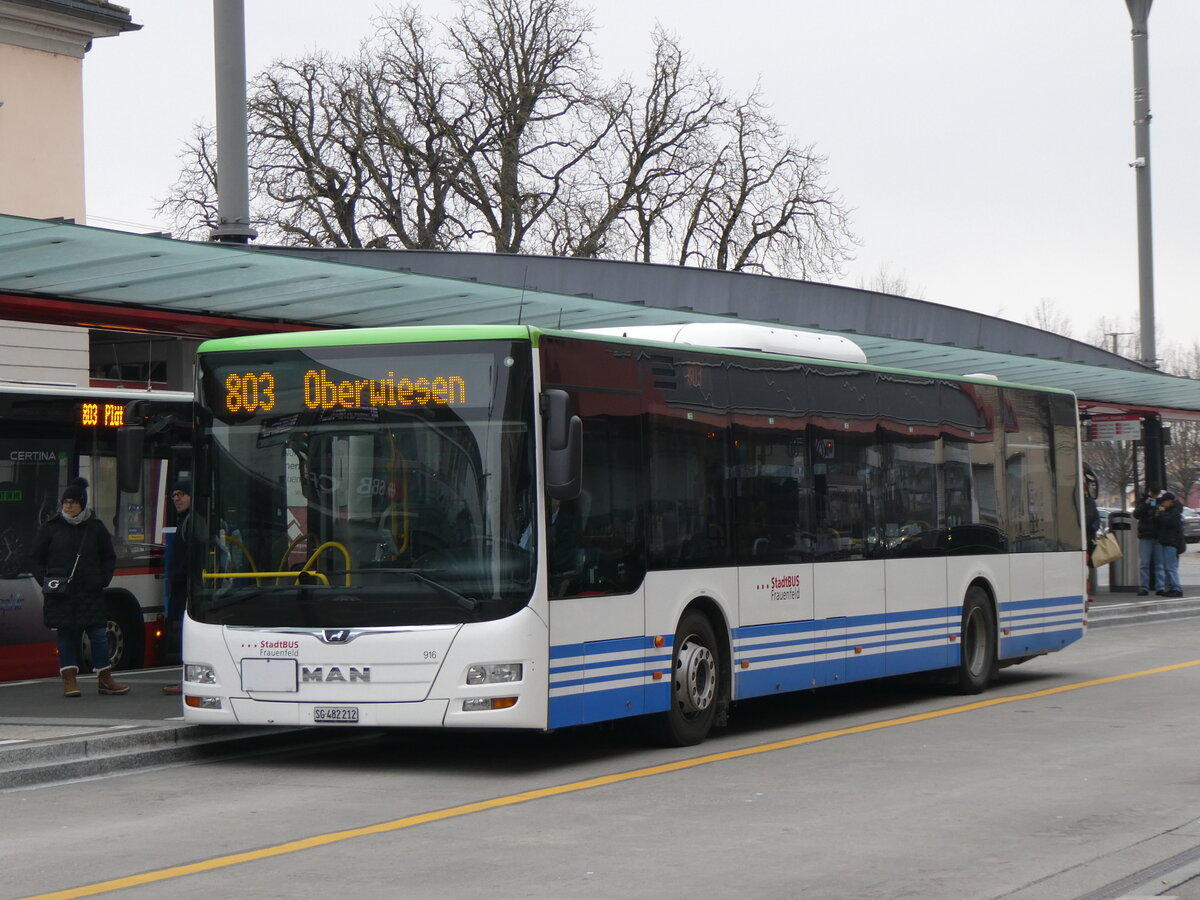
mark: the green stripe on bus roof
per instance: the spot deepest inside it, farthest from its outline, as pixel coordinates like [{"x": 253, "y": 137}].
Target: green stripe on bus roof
[{"x": 351, "y": 337}]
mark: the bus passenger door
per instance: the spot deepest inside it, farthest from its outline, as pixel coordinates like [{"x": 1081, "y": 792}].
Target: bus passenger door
[
  {"x": 598, "y": 654},
  {"x": 596, "y": 565}
]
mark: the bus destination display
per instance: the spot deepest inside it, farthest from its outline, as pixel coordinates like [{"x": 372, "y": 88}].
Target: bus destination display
[
  {"x": 375, "y": 383},
  {"x": 254, "y": 392},
  {"x": 101, "y": 415}
]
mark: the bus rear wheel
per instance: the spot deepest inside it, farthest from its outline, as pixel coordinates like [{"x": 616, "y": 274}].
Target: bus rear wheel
[
  {"x": 977, "y": 642},
  {"x": 695, "y": 683}
]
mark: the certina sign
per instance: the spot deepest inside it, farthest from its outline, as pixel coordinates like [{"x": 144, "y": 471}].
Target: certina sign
[
  {"x": 33, "y": 456},
  {"x": 345, "y": 674}
]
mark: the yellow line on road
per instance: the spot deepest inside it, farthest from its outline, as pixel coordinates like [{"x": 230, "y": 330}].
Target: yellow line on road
[{"x": 333, "y": 837}]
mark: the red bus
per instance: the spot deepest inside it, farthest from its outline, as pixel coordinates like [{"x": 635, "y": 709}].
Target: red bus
[{"x": 49, "y": 435}]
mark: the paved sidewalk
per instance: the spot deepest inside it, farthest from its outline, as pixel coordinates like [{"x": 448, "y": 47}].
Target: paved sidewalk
[
  {"x": 46, "y": 738},
  {"x": 1126, "y": 608}
]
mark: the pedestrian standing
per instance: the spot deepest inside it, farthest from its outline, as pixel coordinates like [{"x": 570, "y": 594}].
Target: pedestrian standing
[
  {"x": 1149, "y": 549},
  {"x": 73, "y": 560},
  {"x": 177, "y": 571},
  {"x": 1169, "y": 528}
]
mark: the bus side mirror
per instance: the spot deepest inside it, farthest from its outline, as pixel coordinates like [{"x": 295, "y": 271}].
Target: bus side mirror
[
  {"x": 130, "y": 446},
  {"x": 564, "y": 446}
]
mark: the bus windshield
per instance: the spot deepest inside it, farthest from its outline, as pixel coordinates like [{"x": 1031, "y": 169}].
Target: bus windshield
[{"x": 364, "y": 486}]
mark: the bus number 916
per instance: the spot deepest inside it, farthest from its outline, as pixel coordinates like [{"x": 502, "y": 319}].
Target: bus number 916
[{"x": 250, "y": 393}]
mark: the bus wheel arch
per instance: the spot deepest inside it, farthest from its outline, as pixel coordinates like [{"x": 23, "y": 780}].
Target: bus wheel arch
[
  {"x": 979, "y": 654},
  {"x": 700, "y": 676}
]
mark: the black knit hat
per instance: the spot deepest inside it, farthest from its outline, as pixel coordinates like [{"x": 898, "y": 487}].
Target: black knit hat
[
  {"x": 183, "y": 485},
  {"x": 76, "y": 490}
]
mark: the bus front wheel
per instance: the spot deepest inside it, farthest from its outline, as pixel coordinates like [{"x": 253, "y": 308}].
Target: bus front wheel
[
  {"x": 695, "y": 683},
  {"x": 977, "y": 642}
]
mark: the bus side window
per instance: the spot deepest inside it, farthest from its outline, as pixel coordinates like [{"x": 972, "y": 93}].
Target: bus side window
[{"x": 606, "y": 556}]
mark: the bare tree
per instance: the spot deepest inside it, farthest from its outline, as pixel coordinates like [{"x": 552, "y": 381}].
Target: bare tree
[
  {"x": 885, "y": 281},
  {"x": 651, "y": 159},
  {"x": 309, "y": 164},
  {"x": 1048, "y": 317},
  {"x": 415, "y": 113},
  {"x": 528, "y": 71},
  {"x": 762, "y": 205},
  {"x": 1112, "y": 461},
  {"x": 191, "y": 207},
  {"x": 494, "y": 129}
]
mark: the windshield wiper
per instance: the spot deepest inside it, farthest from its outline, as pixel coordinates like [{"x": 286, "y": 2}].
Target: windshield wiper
[
  {"x": 252, "y": 593},
  {"x": 461, "y": 599},
  {"x": 219, "y": 601}
]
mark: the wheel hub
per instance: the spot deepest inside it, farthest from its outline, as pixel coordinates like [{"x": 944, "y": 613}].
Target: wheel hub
[{"x": 695, "y": 678}]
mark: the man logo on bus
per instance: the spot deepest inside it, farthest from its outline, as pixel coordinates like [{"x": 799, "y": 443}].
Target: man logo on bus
[
  {"x": 336, "y": 635},
  {"x": 335, "y": 673}
]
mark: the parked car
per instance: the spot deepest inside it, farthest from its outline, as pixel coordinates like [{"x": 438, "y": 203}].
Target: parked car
[{"x": 1191, "y": 525}]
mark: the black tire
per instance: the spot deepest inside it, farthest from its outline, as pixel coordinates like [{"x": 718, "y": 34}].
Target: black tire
[
  {"x": 697, "y": 684},
  {"x": 977, "y": 642},
  {"x": 124, "y": 640}
]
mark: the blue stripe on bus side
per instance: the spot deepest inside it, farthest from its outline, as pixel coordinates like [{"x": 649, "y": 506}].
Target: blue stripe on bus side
[
  {"x": 1051, "y": 624},
  {"x": 784, "y": 656},
  {"x": 601, "y": 680}
]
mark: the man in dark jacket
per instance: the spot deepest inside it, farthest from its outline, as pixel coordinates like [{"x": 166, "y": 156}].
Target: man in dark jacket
[
  {"x": 177, "y": 569},
  {"x": 1148, "y": 547},
  {"x": 74, "y": 552},
  {"x": 1168, "y": 525}
]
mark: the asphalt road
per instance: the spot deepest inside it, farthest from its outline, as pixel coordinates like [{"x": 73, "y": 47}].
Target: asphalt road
[{"x": 1076, "y": 776}]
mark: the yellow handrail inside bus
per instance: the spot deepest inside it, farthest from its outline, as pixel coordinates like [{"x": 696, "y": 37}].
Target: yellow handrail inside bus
[
  {"x": 403, "y": 545},
  {"x": 316, "y": 553},
  {"x": 230, "y": 539},
  {"x": 218, "y": 576},
  {"x": 399, "y": 531},
  {"x": 292, "y": 546}
]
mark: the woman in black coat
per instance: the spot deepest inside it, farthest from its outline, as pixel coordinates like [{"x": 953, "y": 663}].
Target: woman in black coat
[{"x": 76, "y": 550}]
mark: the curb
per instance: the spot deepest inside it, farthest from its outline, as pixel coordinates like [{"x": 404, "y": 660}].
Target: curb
[
  {"x": 1140, "y": 611},
  {"x": 48, "y": 762}
]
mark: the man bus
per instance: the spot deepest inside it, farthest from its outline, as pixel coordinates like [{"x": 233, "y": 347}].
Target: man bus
[{"x": 510, "y": 527}]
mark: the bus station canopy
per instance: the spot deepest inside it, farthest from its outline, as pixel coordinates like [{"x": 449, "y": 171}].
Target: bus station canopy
[{"x": 55, "y": 271}]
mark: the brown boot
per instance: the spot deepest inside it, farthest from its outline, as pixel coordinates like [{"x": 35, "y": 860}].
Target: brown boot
[
  {"x": 70, "y": 685},
  {"x": 107, "y": 685}
]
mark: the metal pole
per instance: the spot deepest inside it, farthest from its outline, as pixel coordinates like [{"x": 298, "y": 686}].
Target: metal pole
[
  {"x": 233, "y": 184},
  {"x": 1139, "y": 12}
]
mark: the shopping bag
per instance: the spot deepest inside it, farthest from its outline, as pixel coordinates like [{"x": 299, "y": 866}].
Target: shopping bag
[{"x": 1107, "y": 550}]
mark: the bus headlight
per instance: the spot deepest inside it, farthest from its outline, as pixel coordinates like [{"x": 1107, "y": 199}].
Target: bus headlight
[
  {"x": 478, "y": 704},
  {"x": 495, "y": 673},
  {"x": 199, "y": 673},
  {"x": 202, "y": 702}
]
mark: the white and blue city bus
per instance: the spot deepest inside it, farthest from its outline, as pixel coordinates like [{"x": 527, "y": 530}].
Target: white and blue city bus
[{"x": 511, "y": 527}]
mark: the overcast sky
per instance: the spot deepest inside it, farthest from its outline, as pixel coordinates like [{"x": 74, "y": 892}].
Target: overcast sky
[{"x": 983, "y": 145}]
